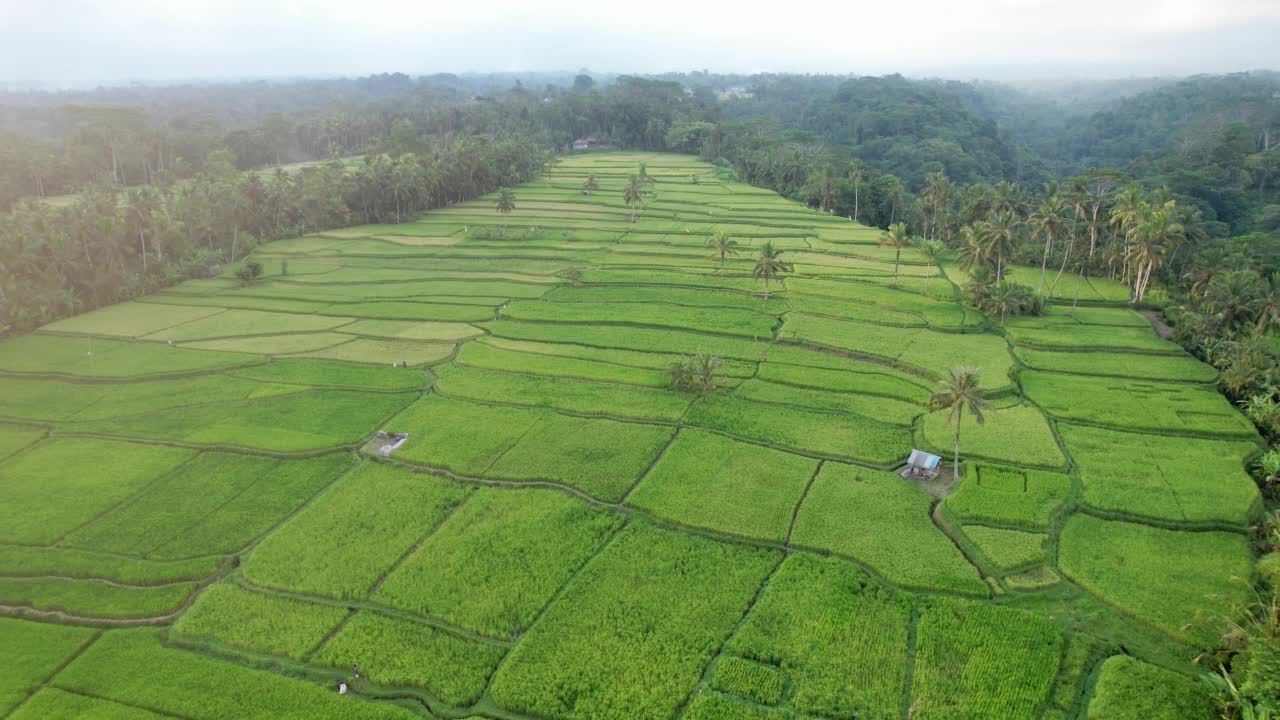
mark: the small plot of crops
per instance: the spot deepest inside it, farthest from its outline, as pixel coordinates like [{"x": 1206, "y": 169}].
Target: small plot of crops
[
  {"x": 729, "y": 368},
  {"x": 407, "y": 330},
  {"x": 588, "y": 398},
  {"x": 1137, "y": 405},
  {"x": 297, "y": 421},
  {"x": 187, "y": 684},
  {"x": 405, "y": 353},
  {"x": 748, "y": 679},
  {"x": 497, "y": 560},
  {"x": 820, "y": 433},
  {"x": 60, "y": 484},
  {"x": 405, "y": 653},
  {"x": 217, "y": 503},
  {"x": 1050, "y": 334},
  {"x": 342, "y": 543},
  {"x": 982, "y": 662},
  {"x": 29, "y": 561},
  {"x": 93, "y": 598},
  {"x": 924, "y": 349},
  {"x": 90, "y": 357},
  {"x": 1165, "y": 478},
  {"x": 602, "y": 458},
  {"x": 894, "y": 412},
  {"x": 631, "y": 634},
  {"x": 932, "y": 310},
  {"x": 883, "y": 522},
  {"x": 843, "y": 310},
  {"x": 258, "y": 622},
  {"x": 625, "y": 337},
  {"x": 491, "y": 357},
  {"x": 1018, "y": 434},
  {"x": 666, "y": 295},
  {"x": 416, "y": 311},
  {"x": 130, "y": 319},
  {"x": 1161, "y": 577},
  {"x": 1009, "y": 495},
  {"x": 1182, "y": 368},
  {"x": 51, "y": 702},
  {"x": 728, "y": 321},
  {"x": 672, "y": 276},
  {"x": 839, "y": 636},
  {"x": 33, "y": 652},
  {"x": 286, "y": 344},
  {"x": 824, "y": 371},
  {"x": 711, "y": 481},
  {"x": 1129, "y": 689},
  {"x": 317, "y": 373},
  {"x": 240, "y": 323},
  {"x": 1007, "y": 549}
]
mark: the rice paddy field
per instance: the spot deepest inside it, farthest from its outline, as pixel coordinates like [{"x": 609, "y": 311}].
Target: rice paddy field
[{"x": 196, "y": 523}]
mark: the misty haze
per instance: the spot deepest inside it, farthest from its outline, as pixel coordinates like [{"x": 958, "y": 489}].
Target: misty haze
[{"x": 555, "y": 361}]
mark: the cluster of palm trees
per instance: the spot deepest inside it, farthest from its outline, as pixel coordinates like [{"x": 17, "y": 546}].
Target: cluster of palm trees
[{"x": 1092, "y": 222}]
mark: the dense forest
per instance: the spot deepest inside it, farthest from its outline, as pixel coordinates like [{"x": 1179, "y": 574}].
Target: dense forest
[{"x": 1172, "y": 186}]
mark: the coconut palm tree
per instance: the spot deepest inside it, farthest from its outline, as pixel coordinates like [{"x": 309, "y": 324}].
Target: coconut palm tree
[
  {"x": 506, "y": 201},
  {"x": 856, "y": 175},
  {"x": 973, "y": 253},
  {"x": 1155, "y": 236},
  {"x": 935, "y": 195},
  {"x": 721, "y": 245},
  {"x": 1123, "y": 218},
  {"x": 1269, "y": 314},
  {"x": 769, "y": 265},
  {"x": 590, "y": 185},
  {"x": 931, "y": 250},
  {"x": 963, "y": 390},
  {"x": 1048, "y": 221},
  {"x": 633, "y": 194},
  {"x": 896, "y": 238},
  {"x": 1002, "y": 240}
]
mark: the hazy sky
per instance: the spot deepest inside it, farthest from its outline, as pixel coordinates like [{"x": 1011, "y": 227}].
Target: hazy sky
[{"x": 64, "y": 43}]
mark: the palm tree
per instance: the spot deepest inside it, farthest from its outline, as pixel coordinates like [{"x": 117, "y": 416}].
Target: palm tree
[
  {"x": 696, "y": 373},
  {"x": 506, "y": 201},
  {"x": 1048, "y": 222},
  {"x": 856, "y": 176},
  {"x": 1155, "y": 235},
  {"x": 1002, "y": 240},
  {"x": 931, "y": 250},
  {"x": 962, "y": 390},
  {"x": 721, "y": 245},
  {"x": 1269, "y": 315},
  {"x": 769, "y": 265},
  {"x": 896, "y": 238},
  {"x": 633, "y": 194},
  {"x": 1124, "y": 216},
  {"x": 935, "y": 196},
  {"x": 590, "y": 185},
  {"x": 974, "y": 251}
]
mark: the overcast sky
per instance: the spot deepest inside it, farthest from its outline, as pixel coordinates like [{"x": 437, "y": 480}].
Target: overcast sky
[{"x": 65, "y": 43}]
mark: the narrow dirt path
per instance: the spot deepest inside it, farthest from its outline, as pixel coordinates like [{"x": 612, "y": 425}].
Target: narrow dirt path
[{"x": 1153, "y": 316}]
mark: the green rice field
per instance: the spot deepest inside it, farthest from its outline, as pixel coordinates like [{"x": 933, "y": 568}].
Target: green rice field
[{"x": 198, "y": 521}]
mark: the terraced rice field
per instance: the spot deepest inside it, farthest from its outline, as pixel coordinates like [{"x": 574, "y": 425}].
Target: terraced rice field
[{"x": 194, "y": 526}]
